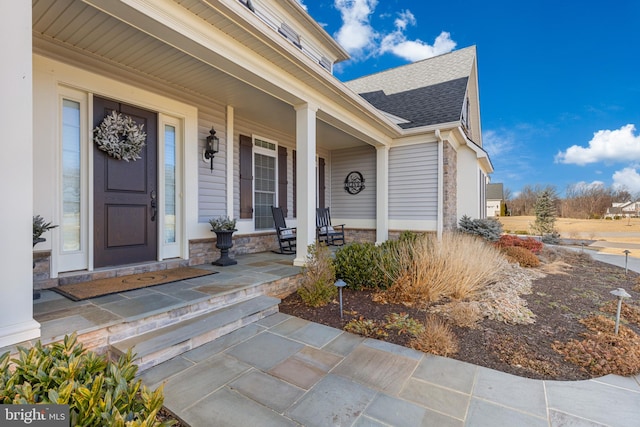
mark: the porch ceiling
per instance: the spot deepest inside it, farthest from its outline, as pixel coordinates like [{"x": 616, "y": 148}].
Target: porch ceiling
[{"x": 73, "y": 30}]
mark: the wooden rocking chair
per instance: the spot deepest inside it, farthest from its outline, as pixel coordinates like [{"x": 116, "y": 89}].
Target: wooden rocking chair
[
  {"x": 325, "y": 231},
  {"x": 286, "y": 236}
]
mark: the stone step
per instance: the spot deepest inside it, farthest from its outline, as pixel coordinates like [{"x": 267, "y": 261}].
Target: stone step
[{"x": 159, "y": 345}]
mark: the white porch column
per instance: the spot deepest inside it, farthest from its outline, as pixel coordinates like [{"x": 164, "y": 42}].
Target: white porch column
[
  {"x": 306, "y": 180},
  {"x": 16, "y": 177},
  {"x": 382, "y": 194}
]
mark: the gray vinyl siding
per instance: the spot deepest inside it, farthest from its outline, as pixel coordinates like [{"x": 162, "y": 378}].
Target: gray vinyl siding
[
  {"x": 211, "y": 184},
  {"x": 353, "y": 206},
  {"x": 413, "y": 182}
]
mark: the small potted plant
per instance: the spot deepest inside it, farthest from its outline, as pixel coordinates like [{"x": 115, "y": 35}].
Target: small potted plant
[
  {"x": 224, "y": 227},
  {"x": 40, "y": 226}
]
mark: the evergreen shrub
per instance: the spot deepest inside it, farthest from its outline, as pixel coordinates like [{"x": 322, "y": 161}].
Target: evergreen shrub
[
  {"x": 488, "y": 228},
  {"x": 99, "y": 392}
]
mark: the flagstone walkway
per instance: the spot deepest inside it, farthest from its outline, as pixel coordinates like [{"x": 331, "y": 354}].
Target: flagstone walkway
[{"x": 285, "y": 371}]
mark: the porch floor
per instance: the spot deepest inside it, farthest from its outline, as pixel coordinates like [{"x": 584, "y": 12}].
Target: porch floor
[{"x": 59, "y": 315}]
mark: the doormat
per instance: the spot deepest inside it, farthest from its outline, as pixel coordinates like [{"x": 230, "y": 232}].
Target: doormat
[{"x": 114, "y": 285}]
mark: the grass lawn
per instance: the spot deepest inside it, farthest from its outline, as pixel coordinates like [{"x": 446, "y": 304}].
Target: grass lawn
[{"x": 621, "y": 231}]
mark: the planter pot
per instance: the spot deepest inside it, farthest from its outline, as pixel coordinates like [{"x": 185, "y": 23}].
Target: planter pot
[
  {"x": 36, "y": 294},
  {"x": 224, "y": 243}
]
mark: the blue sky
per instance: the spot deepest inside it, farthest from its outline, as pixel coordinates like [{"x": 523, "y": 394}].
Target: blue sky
[{"x": 559, "y": 80}]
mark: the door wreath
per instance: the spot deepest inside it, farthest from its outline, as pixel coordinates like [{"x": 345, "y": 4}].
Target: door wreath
[{"x": 120, "y": 137}]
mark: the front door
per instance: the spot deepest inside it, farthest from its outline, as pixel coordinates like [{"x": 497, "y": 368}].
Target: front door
[{"x": 125, "y": 194}]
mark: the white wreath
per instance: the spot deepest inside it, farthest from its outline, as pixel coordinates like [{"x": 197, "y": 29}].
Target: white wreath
[{"x": 120, "y": 137}]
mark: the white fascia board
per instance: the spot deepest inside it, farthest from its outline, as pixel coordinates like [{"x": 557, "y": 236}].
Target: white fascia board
[{"x": 482, "y": 155}]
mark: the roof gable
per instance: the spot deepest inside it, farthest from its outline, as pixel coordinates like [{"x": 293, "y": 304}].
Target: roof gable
[
  {"x": 430, "y": 105},
  {"x": 426, "y": 92}
]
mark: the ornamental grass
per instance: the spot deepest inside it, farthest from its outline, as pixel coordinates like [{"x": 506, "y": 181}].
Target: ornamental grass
[{"x": 427, "y": 270}]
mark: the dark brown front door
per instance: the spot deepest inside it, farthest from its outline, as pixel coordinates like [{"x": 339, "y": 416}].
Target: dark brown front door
[{"x": 125, "y": 195}]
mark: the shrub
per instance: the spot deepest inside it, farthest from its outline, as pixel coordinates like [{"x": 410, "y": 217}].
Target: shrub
[
  {"x": 521, "y": 255},
  {"x": 489, "y": 229},
  {"x": 465, "y": 314},
  {"x": 426, "y": 270},
  {"x": 318, "y": 277},
  {"x": 530, "y": 243},
  {"x": 403, "y": 324},
  {"x": 99, "y": 392},
  {"x": 358, "y": 265},
  {"x": 552, "y": 238},
  {"x": 366, "y": 327},
  {"x": 437, "y": 338}
]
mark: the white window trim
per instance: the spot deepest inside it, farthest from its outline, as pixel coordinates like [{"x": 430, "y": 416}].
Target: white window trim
[
  {"x": 173, "y": 249},
  {"x": 267, "y": 152},
  {"x": 75, "y": 260}
]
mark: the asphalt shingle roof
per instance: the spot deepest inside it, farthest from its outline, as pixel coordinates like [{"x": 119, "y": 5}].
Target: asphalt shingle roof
[
  {"x": 423, "y": 93},
  {"x": 440, "y": 103}
]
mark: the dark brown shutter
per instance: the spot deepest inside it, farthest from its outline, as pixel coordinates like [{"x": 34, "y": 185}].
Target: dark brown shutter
[
  {"x": 282, "y": 179},
  {"x": 246, "y": 177},
  {"x": 321, "y": 183},
  {"x": 295, "y": 184}
]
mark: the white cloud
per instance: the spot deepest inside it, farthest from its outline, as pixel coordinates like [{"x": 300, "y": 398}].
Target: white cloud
[
  {"x": 628, "y": 178},
  {"x": 496, "y": 143},
  {"x": 414, "y": 50},
  {"x": 356, "y": 34},
  {"x": 609, "y": 146},
  {"x": 304, "y": 6},
  {"x": 360, "y": 39}
]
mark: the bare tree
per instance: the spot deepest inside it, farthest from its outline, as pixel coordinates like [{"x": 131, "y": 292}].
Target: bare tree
[{"x": 524, "y": 203}]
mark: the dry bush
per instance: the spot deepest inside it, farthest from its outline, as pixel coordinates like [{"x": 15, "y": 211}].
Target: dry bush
[
  {"x": 602, "y": 352},
  {"x": 318, "y": 277},
  {"x": 463, "y": 314},
  {"x": 521, "y": 255},
  {"x": 426, "y": 269},
  {"x": 437, "y": 338},
  {"x": 628, "y": 312},
  {"x": 516, "y": 352}
]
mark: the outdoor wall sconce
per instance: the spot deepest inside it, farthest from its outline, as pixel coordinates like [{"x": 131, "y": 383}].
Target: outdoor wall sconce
[{"x": 211, "y": 148}]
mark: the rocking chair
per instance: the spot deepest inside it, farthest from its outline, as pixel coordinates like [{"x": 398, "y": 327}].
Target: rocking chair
[
  {"x": 286, "y": 236},
  {"x": 325, "y": 232}
]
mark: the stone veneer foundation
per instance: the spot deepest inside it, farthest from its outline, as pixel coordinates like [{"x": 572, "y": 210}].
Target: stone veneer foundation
[{"x": 450, "y": 195}]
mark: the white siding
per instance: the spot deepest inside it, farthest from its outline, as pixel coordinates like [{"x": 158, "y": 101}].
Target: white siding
[
  {"x": 413, "y": 182},
  {"x": 353, "y": 206}
]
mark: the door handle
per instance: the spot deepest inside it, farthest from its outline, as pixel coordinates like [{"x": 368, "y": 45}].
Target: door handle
[{"x": 154, "y": 205}]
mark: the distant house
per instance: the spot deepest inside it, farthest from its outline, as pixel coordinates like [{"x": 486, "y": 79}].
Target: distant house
[
  {"x": 624, "y": 209},
  {"x": 495, "y": 199}
]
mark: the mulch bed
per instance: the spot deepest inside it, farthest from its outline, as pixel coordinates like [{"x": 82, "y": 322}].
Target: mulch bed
[{"x": 559, "y": 301}]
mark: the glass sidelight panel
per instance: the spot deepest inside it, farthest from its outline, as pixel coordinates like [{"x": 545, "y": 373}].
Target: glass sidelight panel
[
  {"x": 169, "y": 184},
  {"x": 71, "y": 176}
]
